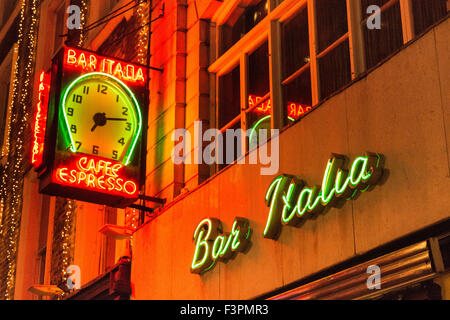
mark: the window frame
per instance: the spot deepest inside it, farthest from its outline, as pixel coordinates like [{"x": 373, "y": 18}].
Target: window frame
[{"x": 269, "y": 29}]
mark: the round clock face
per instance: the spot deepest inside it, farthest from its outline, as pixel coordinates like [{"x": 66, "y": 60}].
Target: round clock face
[{"x": 102, "y": 117}]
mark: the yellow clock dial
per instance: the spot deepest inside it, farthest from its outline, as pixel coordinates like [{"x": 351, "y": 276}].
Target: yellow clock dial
[{"x": 102, "y": 117}]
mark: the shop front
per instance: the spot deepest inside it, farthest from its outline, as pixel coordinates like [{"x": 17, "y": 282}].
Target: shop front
[{"x": 361, "y": 183}]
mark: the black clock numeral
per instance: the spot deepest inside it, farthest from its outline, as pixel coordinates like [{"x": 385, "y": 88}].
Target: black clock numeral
[
  {"x": 121, "y": 141},
  {"x": 77, "y": 98},
  {"x": 125, "y": 111},
  {"x": 117, "y": 98},
  {"x": 95, "y": 149},
  {"x": 73, "y": 128},
  {"x": 115, "y": 154},
  {"x": 85, "y": 89},
  {"x": 128, "y": 127},
  {"x": 70, "y": 112},
  {"x": 102, "y": 88},
  {"x": 78, "y": 144}
]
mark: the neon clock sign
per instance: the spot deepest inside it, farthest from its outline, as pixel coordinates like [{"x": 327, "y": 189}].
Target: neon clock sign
[
  {"x": 101, "y": 116},
  {"x": 95, "y": 141}
]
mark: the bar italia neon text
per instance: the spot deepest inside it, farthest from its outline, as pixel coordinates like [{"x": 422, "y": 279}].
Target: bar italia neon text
[
  {"x": 291, "y": 200},
  {"x": 87, "y": 61},
  {"x": 211, "y": 245}
]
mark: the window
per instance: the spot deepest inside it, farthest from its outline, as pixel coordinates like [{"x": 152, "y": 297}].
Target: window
[
  {"x": 7, "y": 10},
  {"x": 427, "y": 12},
  {"x": 259, "y": 107},
  {"x": 241, "y": 21},
  {"x": 297, "y": 66},
  {"x": 60, "y": 18},
  {"x": 380, "y": 43},
  {"x": 296, "y": 73},
  {"x": 332, "y": 45},
  {"x": 229, "y": 97},
  {"x": 229, "y": 110}
]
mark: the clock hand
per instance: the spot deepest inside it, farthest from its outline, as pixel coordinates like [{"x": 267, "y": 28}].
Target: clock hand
[{"x": 116, "y": 119}]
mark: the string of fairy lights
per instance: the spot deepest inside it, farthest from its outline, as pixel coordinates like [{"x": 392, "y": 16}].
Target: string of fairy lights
[
  {"x": 142, "y": 13},
  {"x": 11, "y": 182},
  {"x": 14, "y": 167},
  {"x": 70, "y": 209}
]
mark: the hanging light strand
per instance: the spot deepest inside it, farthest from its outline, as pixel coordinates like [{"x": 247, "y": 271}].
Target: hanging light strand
[{"x": 11, "y": 185}]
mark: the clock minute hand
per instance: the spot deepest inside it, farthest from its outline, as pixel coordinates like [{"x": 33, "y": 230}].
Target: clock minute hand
[{"x": 116, "y": 119}]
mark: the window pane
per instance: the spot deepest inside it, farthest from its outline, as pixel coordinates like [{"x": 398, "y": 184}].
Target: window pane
[
  {"x": 229, "y": 97},
  {"x": 297, "y": 97},
  {"x": 241, "y": 21},
  {"x": 427, "y": 12},
  {"x": 258, "y": 72},
  {"x": 334, "y": 69},
  {"x": 380, "y": 43},
  {"x": 331, "y": 22},
  {"x": 295, "y": 43}
]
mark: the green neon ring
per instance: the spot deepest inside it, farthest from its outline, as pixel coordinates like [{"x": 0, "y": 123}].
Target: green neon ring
[
  {"x": 130, "y": 151},
  {"x": 253, "y": 130}
]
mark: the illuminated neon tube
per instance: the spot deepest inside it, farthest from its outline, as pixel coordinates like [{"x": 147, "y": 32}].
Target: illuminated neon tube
[{"x": 290, "y": 201}]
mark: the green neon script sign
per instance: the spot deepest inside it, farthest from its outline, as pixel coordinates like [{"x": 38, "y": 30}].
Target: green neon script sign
[
  {"x": 211, "y": 245},
  {"x": 291, "y": 201}
]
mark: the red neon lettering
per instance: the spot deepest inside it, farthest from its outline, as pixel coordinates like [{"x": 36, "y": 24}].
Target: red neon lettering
[
  {"x": 98, "y": 175},
  {"x": 71, "y": 56},
  {"x": 82, "y": 162},
  {"x": 92, "y": 62},
  {"x": 101, "y": 181},
  {"x": 81, "y": 176},
  {"x": 129, "y": 72},
  {"x": 91, "y": 179},
  {"x": 295, "y": 110},
  {"x": 40, "y": 121},
  {"x": 133, "y": 186},
  {"x": 110, "y": 181},
  {"x": 139, "y": 75},
  {"x": 263, "y": 108},
  {"x": 84, "y": 60},
  {"x": 118, "y": 71},
  {"x": 73, "y": 176},
  {"x": 63, "y": 174}
]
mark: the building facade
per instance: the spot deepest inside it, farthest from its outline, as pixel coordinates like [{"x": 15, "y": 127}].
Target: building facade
[{"x": 349, "y": 184}]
